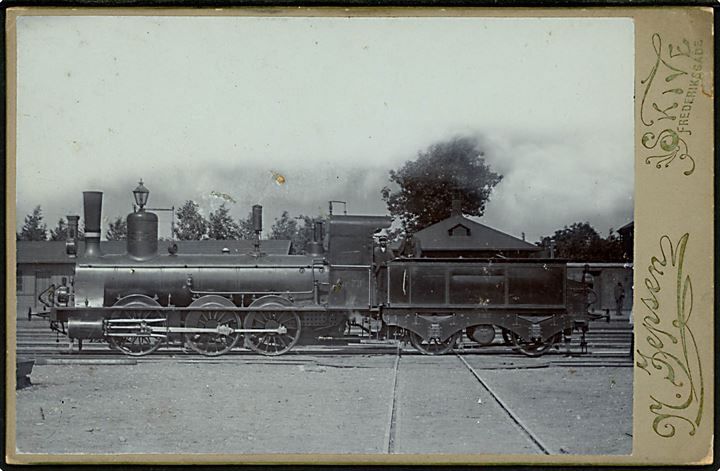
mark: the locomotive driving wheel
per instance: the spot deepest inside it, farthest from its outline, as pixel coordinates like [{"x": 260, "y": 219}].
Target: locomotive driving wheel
[
  {"x": 433, "y": 346},
  {"x": 272, "y": 343},
  {"x": 535, "y": 347},
  {"x": 212, "y": 344},
  {"x": 136, "y": 345}
]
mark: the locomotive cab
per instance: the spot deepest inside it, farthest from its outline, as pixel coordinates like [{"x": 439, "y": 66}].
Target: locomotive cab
[{"x": 351, "y": 256}]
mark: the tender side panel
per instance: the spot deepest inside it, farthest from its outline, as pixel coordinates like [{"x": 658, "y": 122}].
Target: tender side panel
[
  {"x": 481, "y": 285},
  {"x": 437, "y": 299}
]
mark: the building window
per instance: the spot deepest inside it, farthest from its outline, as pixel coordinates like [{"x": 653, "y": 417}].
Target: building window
[
  {"x": 18, "y": 281},
  {"x": 459, "y": 230}
]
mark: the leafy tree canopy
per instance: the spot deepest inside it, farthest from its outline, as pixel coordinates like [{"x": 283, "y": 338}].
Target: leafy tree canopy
[
  {"x": 580, "y": 242},
  {"x": 247, "y": 231},
  {"x": 191, "y": 225},
  {"x": 60, "y": 231},
  {"x": 447, "y": 170},
  {"x": 222, "y": 226},
  {"x": 117, "y": 230},
  {"x": 299, "y": 230},
  {"x": 34, "y": 227}
]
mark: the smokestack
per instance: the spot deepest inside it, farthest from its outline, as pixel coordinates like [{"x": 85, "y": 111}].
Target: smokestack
[
  {"x": 72, "y": 236},
  {"x": 92, "y": 202},
  {"x": 456, "y": 207},
  {"x": 257, "y": 218},
  {"x": 257, "y": 225}
]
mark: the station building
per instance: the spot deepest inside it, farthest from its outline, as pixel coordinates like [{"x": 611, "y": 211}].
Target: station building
[{"x": 458, "y": 236}]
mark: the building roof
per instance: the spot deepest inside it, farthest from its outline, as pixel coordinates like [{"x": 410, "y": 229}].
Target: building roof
[
  {"x": 468, "y": 235},
  {"x": 54, "y": 251},
  {"x": 627, "y": 228}
]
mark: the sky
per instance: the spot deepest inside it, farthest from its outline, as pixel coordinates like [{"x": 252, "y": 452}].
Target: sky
[{"x": 205, "y": 106}]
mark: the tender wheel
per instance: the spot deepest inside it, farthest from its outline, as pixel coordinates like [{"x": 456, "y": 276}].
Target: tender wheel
[
  {"x": 507, "y": 337},
  {"x": 433, "y": 347},
  {"x": 534, "y": 348},
  {"x": 137, "y": 345},
  {"x": 271, "y": 343},
  {"x": 484, "y": 334},
  {"x": 212, "y": 344}
]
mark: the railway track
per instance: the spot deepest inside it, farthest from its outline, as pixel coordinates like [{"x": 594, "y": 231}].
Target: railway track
[
  {"x": 535, "y": 439},
  {"x": 416, "y": 400},
  {"x": 392, "y": 416},
  {"x": 494, "y": 407},
  {"x": 609, "y": 344}
]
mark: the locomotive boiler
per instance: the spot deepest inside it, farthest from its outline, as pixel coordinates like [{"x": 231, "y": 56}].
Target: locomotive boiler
[
  {"x": 139, "y": 300},
  {"x": 181, "y": 279}
]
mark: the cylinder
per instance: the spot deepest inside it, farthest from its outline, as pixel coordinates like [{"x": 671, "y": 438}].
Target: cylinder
[
  {"x": 85, "y": 329},
  {"x": 92, "y": 206},
  {"x": 142, "y": 237}
]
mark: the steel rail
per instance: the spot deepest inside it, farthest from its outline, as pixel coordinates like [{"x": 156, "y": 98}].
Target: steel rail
[
  {"x": 392, "y": 415},
  {"x": 534, "y": 438}
]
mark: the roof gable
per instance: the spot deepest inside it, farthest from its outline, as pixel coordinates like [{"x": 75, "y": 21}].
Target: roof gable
[{"x": 440, "y": 236}]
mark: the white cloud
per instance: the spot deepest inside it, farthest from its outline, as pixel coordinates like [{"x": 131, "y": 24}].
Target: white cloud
[{"x": 199, "y": 104}]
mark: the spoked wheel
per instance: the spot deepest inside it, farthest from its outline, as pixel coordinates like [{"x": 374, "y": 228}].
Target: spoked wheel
[
  {"x": 507, "y": 337},
  {"x": 137, "y": 345},
  {"x": 271, "y": 343},
  {"x": 433, "y": 346},
  {"x": 533, "y": 348},
  {"x": 212, "y": 344}
]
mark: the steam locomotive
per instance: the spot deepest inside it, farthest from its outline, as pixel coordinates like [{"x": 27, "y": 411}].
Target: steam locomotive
[{"x": 142, "y": 299}]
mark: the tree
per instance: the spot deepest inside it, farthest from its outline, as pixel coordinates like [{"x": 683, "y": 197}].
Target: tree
[
  {"x": 453, "y": 169},
  {"x": 117, "y": 230},
  {"x": 305, "y": 231},
  {"x": 222, "y": 226},
  {"x": 247, "y": 231},
  {"x": 191, "y": 224},
  {"x": 581, "y": 243},
  {"x": 34, "y": 228},
  {"x": 614, "y": 249},
  {"x": 299, "y": 230},
  {"x": 285, "y": 228},
  {"x": 60, "y": 231}
]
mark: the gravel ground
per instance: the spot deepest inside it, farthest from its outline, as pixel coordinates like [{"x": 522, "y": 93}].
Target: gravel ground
[
  {"x": 448, "y": 411},
  {"x": 325, "y": 404},
  {"x": 224, "y": 407},
  {"x": 573, "y": 410}
]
